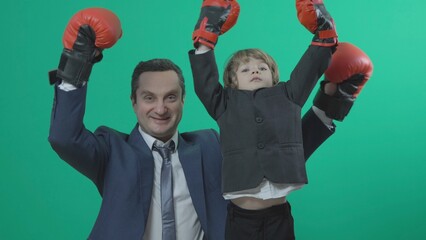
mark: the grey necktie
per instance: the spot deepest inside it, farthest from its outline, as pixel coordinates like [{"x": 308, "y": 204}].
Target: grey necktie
[{"x": 166, "y": 189}]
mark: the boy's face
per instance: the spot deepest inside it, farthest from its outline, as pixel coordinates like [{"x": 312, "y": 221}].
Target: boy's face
[{"x": 253, "y": 75}]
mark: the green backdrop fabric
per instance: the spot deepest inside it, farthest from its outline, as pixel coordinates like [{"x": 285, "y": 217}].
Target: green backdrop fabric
[{"x": 366, "y": 182}]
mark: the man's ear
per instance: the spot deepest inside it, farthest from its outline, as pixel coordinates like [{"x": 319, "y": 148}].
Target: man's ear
[{"x": 133, "y": 100}]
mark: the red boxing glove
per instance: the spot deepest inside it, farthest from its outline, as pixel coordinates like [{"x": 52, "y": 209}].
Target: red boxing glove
[
  {"x": 101, "y": 25},
  {"x": 349, "y": 70},
  {"x": 216, "y": 18},
  {"x": 313, "y": 15},
  {"x": 88, "y": 32},
  {"x": 349, "y": 62}
]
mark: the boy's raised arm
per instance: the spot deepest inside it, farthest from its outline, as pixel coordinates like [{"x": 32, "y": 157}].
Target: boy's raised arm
[{"x": 216, "y": 18}]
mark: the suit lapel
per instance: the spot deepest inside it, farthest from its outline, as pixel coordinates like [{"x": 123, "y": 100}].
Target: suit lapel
[
  {"x": 146, "y": 168},
  {"x": 191, "y": 160}
]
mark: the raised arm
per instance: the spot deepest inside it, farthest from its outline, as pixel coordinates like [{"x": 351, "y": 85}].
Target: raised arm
[
  {"x": 346, "y": 76},
  {"x": 86, "y": 35},
  {"x": 216, "y": 18},
  {"x": 313, "y": 15}
]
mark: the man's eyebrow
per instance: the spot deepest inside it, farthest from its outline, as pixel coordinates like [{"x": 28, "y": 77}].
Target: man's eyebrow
[
  {"x": 173, "y": 91},
  {"x": 144, "y": 92}
]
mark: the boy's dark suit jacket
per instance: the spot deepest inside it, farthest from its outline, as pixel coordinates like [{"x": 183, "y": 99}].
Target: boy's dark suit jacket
[{"x": 261, "y": 130}]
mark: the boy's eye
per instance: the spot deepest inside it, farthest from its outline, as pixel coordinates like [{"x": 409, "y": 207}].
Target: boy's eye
[
  {"x": 264, "y": 67},
  {"x": 245, "y": 70}
]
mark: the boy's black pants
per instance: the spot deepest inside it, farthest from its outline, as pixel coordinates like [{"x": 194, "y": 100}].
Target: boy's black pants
[{"x": 271, "y": 223}]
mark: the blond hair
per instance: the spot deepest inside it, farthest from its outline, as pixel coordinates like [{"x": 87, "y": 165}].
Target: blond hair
[{"x": 242, "y": 56}]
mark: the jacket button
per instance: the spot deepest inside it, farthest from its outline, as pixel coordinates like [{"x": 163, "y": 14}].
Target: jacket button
[
  {"x": 260, "y": 145},
  {"x": 259, "y": 119}
]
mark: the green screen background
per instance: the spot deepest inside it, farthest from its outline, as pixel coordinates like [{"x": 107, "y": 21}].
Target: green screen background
[{"x": 366, "y": 182}]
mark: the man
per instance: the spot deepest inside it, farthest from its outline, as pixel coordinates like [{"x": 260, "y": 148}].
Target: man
[{"x": 127, "y": 168}]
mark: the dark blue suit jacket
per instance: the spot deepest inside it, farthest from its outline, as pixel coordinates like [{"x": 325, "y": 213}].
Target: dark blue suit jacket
[{"x": 122, "y": 168}]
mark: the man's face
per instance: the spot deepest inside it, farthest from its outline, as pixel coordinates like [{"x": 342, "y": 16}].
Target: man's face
[
  {"x": 253, "y": 75},
  {"x": 158, "y": 103}
]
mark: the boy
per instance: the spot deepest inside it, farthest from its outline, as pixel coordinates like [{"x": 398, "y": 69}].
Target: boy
[{"x": 259, "y": 118}]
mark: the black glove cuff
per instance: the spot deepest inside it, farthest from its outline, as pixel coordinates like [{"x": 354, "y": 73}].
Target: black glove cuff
[
  {"x": 335, "y": 108},
  {"x": 326, "y": 42},
  {"x": 74, "y": 68}
]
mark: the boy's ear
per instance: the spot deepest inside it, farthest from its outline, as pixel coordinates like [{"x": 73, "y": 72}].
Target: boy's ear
[
  {"x": 277, "y": 76},
  {"x": 234, "y": 82}
]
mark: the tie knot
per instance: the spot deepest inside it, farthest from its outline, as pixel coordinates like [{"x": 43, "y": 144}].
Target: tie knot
[{"x": 164, "y": 150}]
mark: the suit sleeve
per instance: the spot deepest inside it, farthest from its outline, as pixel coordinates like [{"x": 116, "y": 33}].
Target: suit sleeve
[
  {"x": 69, "y": 138},
  {"x": 314, "y": 131},
  {"x": 206, "y": 82},
  {"x": 308, "y": 70}
]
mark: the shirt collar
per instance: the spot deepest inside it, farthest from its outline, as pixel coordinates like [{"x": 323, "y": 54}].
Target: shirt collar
[{"x": 150, "y": 139}]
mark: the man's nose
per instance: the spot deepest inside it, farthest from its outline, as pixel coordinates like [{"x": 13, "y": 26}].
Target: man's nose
[{"x": 161, "y": 108}]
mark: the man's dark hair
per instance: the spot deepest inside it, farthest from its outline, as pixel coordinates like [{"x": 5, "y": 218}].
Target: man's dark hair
[{"x": 155, "y": 65}]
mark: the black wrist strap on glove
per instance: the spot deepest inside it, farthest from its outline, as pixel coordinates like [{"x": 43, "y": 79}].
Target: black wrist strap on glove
[
  {"x": 339, "y": 105},
  {"x": 326, "y": 33},
  {"x": 74, "y": 68},
  {"x": 76, "y": 65},
  {"x": 336, "y": 106}
]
